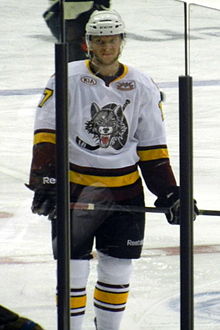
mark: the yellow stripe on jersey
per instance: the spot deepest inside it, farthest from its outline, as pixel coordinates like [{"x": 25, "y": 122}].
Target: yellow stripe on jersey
[
  {"x": 123, "y": 74},
  {"x": 153, "y": 154},
  {"x": 77, "y": 302},
  {"x": 104, "y": 181},
  {"x": 111, "y": 298},
  {"x": 44, "y": 137}
]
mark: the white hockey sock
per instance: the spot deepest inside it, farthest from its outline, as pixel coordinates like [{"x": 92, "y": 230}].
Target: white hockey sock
[
  {"x": 111, "y": 291},
  {"x": 79, "y": 272}
]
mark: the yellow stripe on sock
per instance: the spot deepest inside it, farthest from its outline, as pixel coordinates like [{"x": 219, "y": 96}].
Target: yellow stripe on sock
[
  {"x": 77, "y": 302},
  {"x": 110, "y": 297}
]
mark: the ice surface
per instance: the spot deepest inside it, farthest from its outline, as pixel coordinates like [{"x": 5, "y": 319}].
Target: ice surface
[{"x": 154, "y": 45}]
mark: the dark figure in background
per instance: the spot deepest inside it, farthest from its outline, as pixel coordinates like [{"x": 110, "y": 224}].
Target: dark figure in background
[
  {"x": 12, "y": 321},
  {"x": 76, "y": 14}
]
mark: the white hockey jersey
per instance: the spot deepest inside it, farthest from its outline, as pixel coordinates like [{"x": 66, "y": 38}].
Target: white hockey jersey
[{"x": 111, "y": 128}]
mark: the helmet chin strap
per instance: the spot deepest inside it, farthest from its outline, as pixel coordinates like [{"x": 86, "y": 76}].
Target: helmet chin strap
[{"x": 94, "y": 65}]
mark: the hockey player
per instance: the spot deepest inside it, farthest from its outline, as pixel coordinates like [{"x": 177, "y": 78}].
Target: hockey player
[
  {"x": 116, "y": 130},
  {"x": 76, "y": 15},
  {"x": 12, "y": 321}
]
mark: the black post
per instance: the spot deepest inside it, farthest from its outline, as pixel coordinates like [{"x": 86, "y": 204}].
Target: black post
[
  {"x": 186, "y": 37},
  {"x": 62, "y": 162},
  {"x": 186, "y": 202},
  {"x": 62, "y": 167}
]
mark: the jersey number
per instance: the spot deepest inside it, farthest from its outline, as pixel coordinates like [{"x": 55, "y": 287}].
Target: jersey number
[{"x": 46, "y": 95}]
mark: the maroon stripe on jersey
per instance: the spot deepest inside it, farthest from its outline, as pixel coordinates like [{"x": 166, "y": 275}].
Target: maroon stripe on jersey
[{"x": 103, "y": 171}]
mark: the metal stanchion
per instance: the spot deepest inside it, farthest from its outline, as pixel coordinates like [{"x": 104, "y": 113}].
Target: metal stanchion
[
  {"x": 186, "y": 203},
  {"x": 62, "y": 170}
]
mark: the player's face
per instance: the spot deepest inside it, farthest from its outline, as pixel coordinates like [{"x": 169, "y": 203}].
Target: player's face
[{"x": 106, "y": 49}]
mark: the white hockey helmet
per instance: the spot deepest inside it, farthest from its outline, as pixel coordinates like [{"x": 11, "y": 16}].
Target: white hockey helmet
[{"x": 105, "y": 23}]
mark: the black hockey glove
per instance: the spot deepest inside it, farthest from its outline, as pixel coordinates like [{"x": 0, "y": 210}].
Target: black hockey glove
[
  {"x": 44, "y": 202},
  {"x": 171, "y": 200}
]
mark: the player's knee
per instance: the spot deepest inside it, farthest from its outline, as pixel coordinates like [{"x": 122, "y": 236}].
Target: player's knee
[
  {"x": 113, "y": 270},
  {"x": 79, "y": 272}
]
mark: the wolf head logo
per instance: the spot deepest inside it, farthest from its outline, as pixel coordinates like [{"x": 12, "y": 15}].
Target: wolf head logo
[{"x": 108, "y": 125}]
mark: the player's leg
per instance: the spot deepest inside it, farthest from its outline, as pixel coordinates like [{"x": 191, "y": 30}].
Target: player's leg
[
  {"x": 83, "y": 225},
  {"x": 118, "y": 241},
  {"x": 79, "y": 272},
  {"x": 111, "y": 291}
]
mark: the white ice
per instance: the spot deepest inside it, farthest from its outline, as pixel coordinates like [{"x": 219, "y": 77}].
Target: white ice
[{"x": 154, "y": 45}]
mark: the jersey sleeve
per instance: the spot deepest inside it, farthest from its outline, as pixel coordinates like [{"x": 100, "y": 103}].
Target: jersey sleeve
[
  {"x": 151, "y": 128},
  {"x": 43, "y": 156},
  {"x": 45, "y": 112},
  {"x": 152, "y": 147}
]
